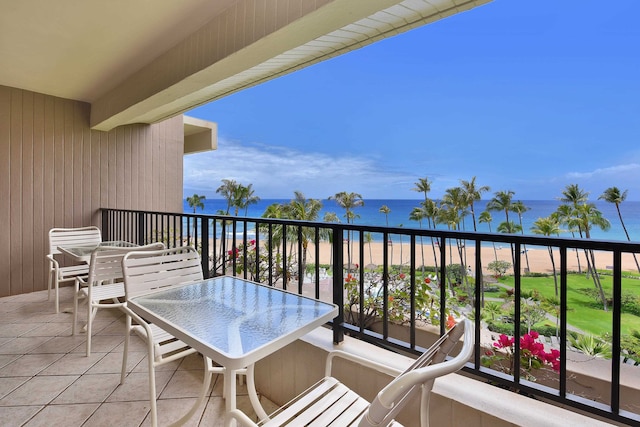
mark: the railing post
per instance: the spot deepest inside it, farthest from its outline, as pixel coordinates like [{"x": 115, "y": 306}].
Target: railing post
[
  {"x": 141, "y": 228},
  {"x": 204, "y": 245},
  {"x": 338, "y": 287},
  {"x": 105, "y": 223}
]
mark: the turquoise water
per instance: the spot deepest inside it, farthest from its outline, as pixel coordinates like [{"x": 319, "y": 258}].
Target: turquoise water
[{"x": 369, "y": 214}]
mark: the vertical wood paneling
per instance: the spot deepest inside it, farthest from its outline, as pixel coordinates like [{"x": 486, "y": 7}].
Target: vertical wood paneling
[
  {"x": 146, "y": 168},
  {"x": 68, "y": 207},
  {"x": 135, "y": 171},
  {"x": 5, "y": 187},
  {"x": 49, "y": 204},
  {"x": 15, "y": 199},
  {"x": 58, "y": 162},
  {"x": 119, "y": 148},
  {"x": 78, "y": 176},
  {"x": 87, "y": 175},
  {"x": 126, "y": 152},
  {"x": 104, "y": 170},
  {"x": 96, "y": 155},
  {"x": 38, "y": 190},
  {"x": 56, "y": 172},
  {"x": 27, "y": 190},
  {"x": 111, "y": 171}
]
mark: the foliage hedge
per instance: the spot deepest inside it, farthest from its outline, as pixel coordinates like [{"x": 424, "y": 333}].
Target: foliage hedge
[{"x": 507, "y": 328}]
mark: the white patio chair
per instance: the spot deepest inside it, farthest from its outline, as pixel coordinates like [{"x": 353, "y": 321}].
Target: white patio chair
[
  {"x": 330, "y": 403},
  {"x": 145, "y": 272},
  {"x": 68, "y": 237},
  {"x": 104, "y": 287}
]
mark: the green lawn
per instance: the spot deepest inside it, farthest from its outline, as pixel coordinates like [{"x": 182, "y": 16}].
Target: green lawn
[{"x": 582, "y": 312}]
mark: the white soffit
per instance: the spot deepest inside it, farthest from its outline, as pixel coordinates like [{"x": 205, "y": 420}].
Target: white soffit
[
  {"x": 241, "y": 74},
  {"x": 399, "y": 18}
]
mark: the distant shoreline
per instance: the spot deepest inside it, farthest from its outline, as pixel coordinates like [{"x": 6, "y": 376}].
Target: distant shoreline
[
  {"x": 369, "y": 215},
  {"x": 539, "y": 260}
]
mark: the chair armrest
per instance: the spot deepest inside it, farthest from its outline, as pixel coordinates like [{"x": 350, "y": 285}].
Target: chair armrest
[
  {"x": 53, "y": 261},
  {"x": 241, "y": 418},
  {"x": 385, "y": 369}
]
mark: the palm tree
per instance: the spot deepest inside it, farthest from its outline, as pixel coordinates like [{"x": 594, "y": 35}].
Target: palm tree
[
  {"x": 501, "y": 201},
  {"x": 228, "y": 190},
  {"x": 368, "y": 239},
  {"x": 520, "y": 208},
  {"x": 583, "y": 216},
  {"x": 485, "y": 217},
  {"x": 510, "y": 227},
  {"x": 455, "y": 199},
  {"x": 348, "y": 201},
  {"x": 548, "y": 226},
  {"x": 274, "y": 211},
  {"x": 492, "y": 309},
  {"x": 303, "y": 209},
  {"x": 564, "y": 215},
  {"x": 246, "y": 197},
  {"x": 574, "y": 195},
  {"x": 386, "y": 211},
  {"x": 330, "y": 217},
  {"x": 423, "y": 186},
  {"x": 473, "y": 194},
  {"x": 432, "y": 212},
  {"x": 587, "y": 215},
  {"x": 613, "y": 195},
  {"x": 196, "y": 201}
]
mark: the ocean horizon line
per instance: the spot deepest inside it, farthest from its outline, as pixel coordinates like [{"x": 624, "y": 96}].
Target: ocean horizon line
[{"x": 400, "y": 209}]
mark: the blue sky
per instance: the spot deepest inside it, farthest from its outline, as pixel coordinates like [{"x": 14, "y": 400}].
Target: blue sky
[{"x": 526, "y": 95}]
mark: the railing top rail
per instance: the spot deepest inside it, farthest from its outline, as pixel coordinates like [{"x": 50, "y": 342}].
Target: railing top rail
[{"x": 566, "y": 242}]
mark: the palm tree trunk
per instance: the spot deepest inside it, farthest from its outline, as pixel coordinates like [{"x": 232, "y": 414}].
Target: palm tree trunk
[
  {"x": 591, "y": 267},
  {"x": 422, "y": 251},
  {"x": 627, "y": 234},
  {"x": 553, "y": 266}
]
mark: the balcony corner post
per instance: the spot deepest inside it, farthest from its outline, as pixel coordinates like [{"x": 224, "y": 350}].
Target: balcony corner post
[{"x": 338, "y": 288}]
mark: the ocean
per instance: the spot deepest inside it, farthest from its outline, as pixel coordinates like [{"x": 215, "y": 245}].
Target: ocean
[{"x": 370, "y": 214}]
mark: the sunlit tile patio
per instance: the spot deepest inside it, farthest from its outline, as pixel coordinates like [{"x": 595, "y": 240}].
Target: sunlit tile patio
[{"x": 48, "y": 380}]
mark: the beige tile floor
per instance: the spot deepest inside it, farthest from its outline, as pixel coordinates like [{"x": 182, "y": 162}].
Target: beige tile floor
[{"x": 47, "y": 380}]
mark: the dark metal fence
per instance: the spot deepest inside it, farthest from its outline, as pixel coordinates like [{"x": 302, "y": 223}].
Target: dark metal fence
[{"x": 396, "y": 305}]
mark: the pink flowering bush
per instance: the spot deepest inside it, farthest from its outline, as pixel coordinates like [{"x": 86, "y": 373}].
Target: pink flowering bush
[{"x": 532, "y": 355}]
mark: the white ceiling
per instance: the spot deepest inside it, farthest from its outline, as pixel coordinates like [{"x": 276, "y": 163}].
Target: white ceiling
[{"x": 80, "y": 49}]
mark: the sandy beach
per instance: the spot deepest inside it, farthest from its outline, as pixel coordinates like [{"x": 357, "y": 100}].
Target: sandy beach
[{"x": 537, "y": 259}]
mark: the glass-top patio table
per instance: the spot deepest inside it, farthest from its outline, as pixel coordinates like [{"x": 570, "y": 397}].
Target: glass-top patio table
[{"x": 234, "y": 322}]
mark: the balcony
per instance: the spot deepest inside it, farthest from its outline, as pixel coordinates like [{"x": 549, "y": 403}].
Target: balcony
[{"x": 46, "y": 373}]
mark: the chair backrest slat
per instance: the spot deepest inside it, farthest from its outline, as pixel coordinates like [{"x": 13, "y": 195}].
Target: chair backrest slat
[
  {"x": 421, "y": 375},
  {"x": 147, "y": 271},
  {"x": 73, "y": 237},
  {"x": 106, "y": 261}
]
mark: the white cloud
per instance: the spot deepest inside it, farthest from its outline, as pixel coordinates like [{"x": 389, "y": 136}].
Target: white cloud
[
  {"x": 609, "y": 171},
  {"x": 277, "y": 171}
]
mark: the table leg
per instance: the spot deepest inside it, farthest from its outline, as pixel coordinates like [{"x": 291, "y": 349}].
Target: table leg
[
  {"x": 253, "y": 395},
  {"x": 230, "y": 399}
]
